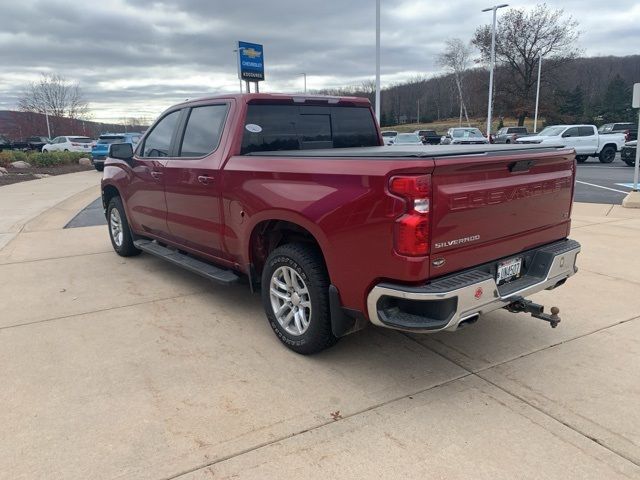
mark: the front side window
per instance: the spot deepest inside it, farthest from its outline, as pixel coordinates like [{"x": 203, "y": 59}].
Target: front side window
[
  {"x": 203, "y": 131},
  {"x": 571, "y": 132},
  {"x": 158, "y": 141}
]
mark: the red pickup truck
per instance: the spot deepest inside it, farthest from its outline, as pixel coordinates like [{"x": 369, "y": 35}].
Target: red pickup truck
[{"x": 298, "y": 196}]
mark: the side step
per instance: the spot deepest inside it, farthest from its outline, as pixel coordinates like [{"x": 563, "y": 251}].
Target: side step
[{"x": 207, "y": 270}]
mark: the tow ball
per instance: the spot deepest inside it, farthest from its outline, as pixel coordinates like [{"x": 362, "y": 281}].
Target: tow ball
[{"x": 536, "y": 311}]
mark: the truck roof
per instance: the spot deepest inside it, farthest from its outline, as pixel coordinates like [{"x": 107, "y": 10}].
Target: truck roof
[{"x": 281, "y": 97}]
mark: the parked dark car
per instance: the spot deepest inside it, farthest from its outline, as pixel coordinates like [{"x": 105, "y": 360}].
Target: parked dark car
[
  {"x": 628, "y": 153},
  {"x": 5, "y": 143},
  {"x": 429, "y": 137},
  {"x": 37, "y": 142},
  {"x": 509, "y": 134},
  {"x": 628, "y": 128}
]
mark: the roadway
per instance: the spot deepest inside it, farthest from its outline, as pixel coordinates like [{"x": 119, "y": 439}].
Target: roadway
[{"x": 603, "y": 183}]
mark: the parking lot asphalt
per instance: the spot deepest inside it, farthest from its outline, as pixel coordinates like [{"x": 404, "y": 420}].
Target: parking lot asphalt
[
  {"x": 134, "y": 368},
  {"x": 603, "y": 183}
]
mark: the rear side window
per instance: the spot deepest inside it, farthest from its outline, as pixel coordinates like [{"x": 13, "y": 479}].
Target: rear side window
[
  {"x": 158, "y": 141},
  {"x": 586, "y": 131},
  {"x": 291, "y": 127},
  {"x": 203, "y": 131}
]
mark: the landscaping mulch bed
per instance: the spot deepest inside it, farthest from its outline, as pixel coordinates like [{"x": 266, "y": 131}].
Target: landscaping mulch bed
[{"x": 16, "y": 175}]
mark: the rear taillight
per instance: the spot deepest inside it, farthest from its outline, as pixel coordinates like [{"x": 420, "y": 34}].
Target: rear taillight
[
  {"x": 411, "y": 235},
  {"x": 75, "y": 144},
  {"x": 627, "y": 135}
]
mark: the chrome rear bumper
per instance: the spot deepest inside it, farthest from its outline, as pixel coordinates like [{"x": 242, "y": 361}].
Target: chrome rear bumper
[{"x": 446, "y": 302}]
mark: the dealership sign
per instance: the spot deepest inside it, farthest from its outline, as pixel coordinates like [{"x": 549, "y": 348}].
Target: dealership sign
[{"x": 250, "y": 61}]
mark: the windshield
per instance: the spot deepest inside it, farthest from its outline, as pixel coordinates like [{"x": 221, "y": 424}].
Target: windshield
[
  {"x": 407, "y": 138},
  {"x": 109, "y": 140},
  {"x": 466, "y": 132},
  {"x": 551, "y": 131},
  {"x": 80, "y": 139}
]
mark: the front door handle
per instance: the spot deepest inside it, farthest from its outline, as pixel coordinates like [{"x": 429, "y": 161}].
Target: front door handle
[
  {"x": 155, "y": 174},
  {"x": 204, "y": 179}
]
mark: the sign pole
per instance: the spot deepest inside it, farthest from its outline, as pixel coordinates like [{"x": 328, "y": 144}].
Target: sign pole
[
  {"x": 635, "y": 173},
  {"x": 632, "y": 200}
]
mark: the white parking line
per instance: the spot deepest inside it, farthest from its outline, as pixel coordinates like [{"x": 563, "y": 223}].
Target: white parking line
[{"x": 600, "y": 186}]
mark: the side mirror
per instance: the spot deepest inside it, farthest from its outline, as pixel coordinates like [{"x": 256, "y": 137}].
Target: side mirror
[{"x": 121, "y": 151}]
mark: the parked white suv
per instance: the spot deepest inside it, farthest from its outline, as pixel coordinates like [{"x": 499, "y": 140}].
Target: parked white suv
[
  {"x": 69, "y": 144},
  {"x": 584, "y": 138}
]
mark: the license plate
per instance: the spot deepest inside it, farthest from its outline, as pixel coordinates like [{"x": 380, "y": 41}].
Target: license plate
[{"x": 508, "y": 270}]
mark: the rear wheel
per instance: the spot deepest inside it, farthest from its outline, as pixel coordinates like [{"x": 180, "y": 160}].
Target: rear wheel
[
  {"x": 295, "y": 296},
  {"x": 629, "y": 162},
  {"x": 581, "y": 158},
  {"x": 119, "y": 231},
  {"x": 607, "y": 154},
  {"x": 44, "y": 150},
  {"x": 99, "y": 166}
]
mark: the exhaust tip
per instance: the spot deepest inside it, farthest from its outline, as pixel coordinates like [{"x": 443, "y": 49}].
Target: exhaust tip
[{"x": 468, "y": 321}]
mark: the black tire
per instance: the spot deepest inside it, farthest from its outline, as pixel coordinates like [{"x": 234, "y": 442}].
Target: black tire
[
  {"x": 124, "y": 246},
  {"x": 99, "y": 166},
  {"x": 607, "y": 154},
  {"x": 44, "y": 150},
  {"x": 66, "y": 149},
  {"x": 630, "y": 163},
  {"x": 310, "y": 268},
  {"x": 508, "y": 141},
  {"x": 581, "y": 158}
]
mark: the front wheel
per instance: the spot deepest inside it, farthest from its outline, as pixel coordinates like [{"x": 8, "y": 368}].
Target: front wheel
[
  {"x": 295, "y": 296},
  {"x": 581, "y": 158},
  {"x": 99, "y": 166},
  {"x": 608, "y": 154},
  {"x": 44, "y": 150},
  {"x": 630, "y": 163},
  {"x": 119, "y": 230}
]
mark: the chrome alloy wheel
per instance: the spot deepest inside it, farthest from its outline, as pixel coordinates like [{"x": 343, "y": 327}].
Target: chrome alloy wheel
[
  {"x": 290, "y": 300},
  {"x": 115, "y": 225}
]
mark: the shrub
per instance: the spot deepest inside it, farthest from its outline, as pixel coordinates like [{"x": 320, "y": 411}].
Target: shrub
[
  {"x": 39, "y": 159},
  {"x": 6, "y": 158}
]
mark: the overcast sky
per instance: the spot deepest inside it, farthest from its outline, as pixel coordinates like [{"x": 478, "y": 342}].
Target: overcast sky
[{"x": 137, "y": 57}]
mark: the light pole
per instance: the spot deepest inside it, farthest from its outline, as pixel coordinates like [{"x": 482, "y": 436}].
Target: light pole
[
  {"x": 493, "y": 61},
  {"x": 46, "y": 116},
  {"x": 305, "y": 81},
  {"x": 378, "y": 61},
  {"x": 535, "y": 117},
  {"x": 236, "y": 51}
]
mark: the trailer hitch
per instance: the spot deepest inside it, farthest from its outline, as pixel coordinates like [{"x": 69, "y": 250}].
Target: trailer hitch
[{"x": 536, "y": 310}]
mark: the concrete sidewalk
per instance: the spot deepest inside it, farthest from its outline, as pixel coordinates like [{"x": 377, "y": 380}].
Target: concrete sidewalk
[
  {"x": 133, "y": 368},
  {"x": 24, "y": 201}
]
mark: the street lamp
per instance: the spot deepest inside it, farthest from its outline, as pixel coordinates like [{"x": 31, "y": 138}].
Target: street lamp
[
  {"x": 535, "y": 118},
  {"x": 305, "y": 81},
  {"x": 378, "y": 61},
  {"x": 493, "y": 61}
]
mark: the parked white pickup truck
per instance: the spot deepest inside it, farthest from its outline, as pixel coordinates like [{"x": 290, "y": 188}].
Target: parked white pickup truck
[{"x": 584, "y": 138}]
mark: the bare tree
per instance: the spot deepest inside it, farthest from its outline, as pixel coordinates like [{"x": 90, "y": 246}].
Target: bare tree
[
  {"x": 456, "y": 59},
  {"x": 523, "y": 36},
  {"x": 56, "y": 96}
]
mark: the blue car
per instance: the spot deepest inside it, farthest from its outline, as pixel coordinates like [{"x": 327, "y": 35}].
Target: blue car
[{"x": 100, "y": 150}]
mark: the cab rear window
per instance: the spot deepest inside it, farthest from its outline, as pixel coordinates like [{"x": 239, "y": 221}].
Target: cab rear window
[{"x": 292, "y": 127}]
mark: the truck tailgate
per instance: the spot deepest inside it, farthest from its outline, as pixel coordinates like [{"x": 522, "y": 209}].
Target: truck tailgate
[{"x": 494, "y": 205}]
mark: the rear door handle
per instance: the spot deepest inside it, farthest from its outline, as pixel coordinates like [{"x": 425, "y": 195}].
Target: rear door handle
[
  {"x": 155, "y": 174},
  {"x": 204, "y": 179}
]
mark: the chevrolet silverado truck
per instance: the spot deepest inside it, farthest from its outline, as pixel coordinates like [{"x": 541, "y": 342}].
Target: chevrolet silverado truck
[{"x": 297, "y": 197}]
